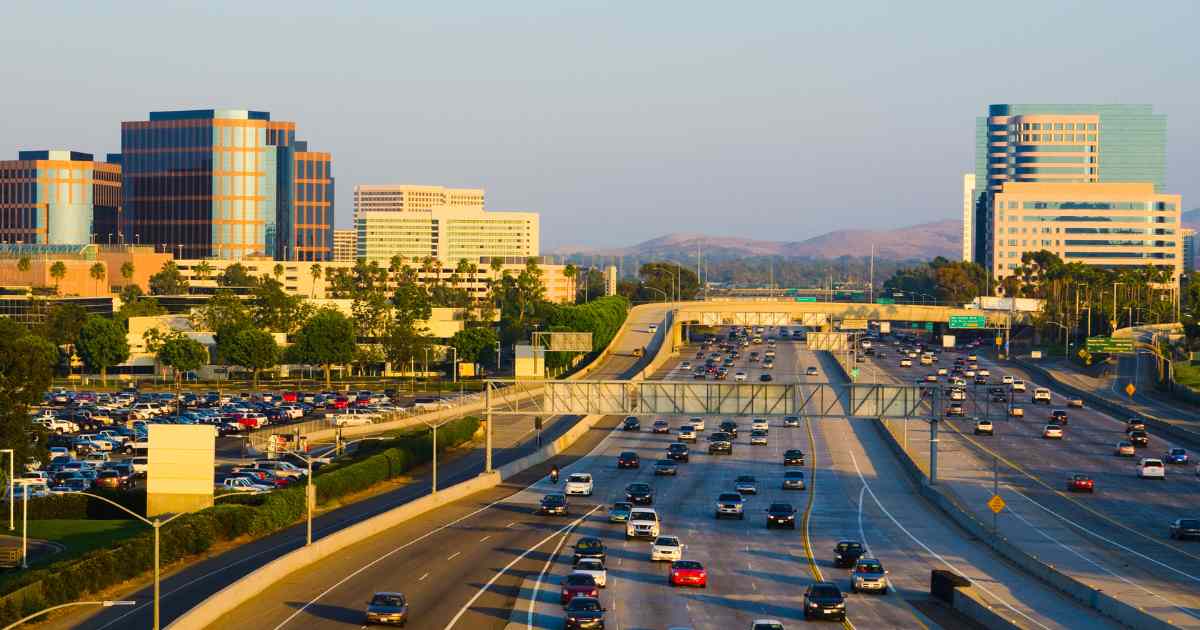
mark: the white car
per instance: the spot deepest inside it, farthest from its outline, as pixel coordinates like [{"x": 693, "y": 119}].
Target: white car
[
  {"x": 1052, "y": 432},
  {"x": 666, "y": 548},
  {"x": 905, "y": 362},
  {"x": 759, "y": 423},
  {"x": 1018, "y": 385},
  {"x": 593, "y": 567},
  {"x": 579, "y": 484},
  {"x": 686, "y": 365},
  {"x": 352, "y": 419},
  {"x": 739, "y": 376},
  {"x": 241, "y": 484},
  {"x": 643, "y": 522},
  {"x": 1150, "y": 468},
  {"x": 957, "y": 394},
  {"x": 697, "y": 423},
  {"x": 942, "y": 372},
  {"x": 1017, "y": 412},
  {"x": 983, "y": 372},
  {"x": 1041, "y": 395},
  {"x": 687, "y": 433},
  {"x": 969, "y": 374},
  {"x": 1007, "y": 380}
]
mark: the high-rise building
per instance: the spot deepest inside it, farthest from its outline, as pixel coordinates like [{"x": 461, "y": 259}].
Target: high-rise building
[
  {"x": 411, "y": 198},
  {"x": 968, "y": 215},
  {"x": 345, "y": 245},
  {"x": 446, "y": 234},
  {"x": 1062, "y": 144},
  {"x": 59, "y": 197},
  {"x": 1105, "y": 224},
  {"x": 1189, "y": 250},
  {"x": 225, "y": 184}
]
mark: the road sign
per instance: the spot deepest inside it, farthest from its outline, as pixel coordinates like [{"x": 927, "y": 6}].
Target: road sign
[
  {"x": 1130, "y": 389},
  {"x": 885, "y": 301},
  {"x": 999, "y": 341},
  {"x": 1109, "y": 345},
  {"x": 854, "y": 374},
  {"x": 968, "y": 321},
  {"x": 929, "y": 326},
  {"x": 854, "y": 324},
  {"x": 806, "y": 298},
  {"x": 995, "y": 504}
]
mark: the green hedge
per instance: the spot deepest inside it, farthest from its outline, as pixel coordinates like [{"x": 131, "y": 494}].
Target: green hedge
[
  {"x": 602, "y": 317},
  {"x": 186, "y": 536}
]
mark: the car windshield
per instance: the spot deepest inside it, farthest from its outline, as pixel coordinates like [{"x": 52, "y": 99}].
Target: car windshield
[
  {"x": 745, "y": 479},
  {"x": 767, "y": 625},
  {"x": 580, "y": 579},
  {"x": 826, "y": 590},
  {"x": 1177, "y": 451},
  {"x": 793, "y": 474},
  {"x": 780, "y": 508},
  {"x": 1189, "y": 523},
  {"x": 552, "y": 499},
  {"x": 687, "y": 564},
  {"x": 758, "y": 433},
  {"x": 793, "y": 453},
  {"x": 1124, "y": 444},
  {"x": 580, "y": 478},
  {"x": 622, "y": 506},
  {"x": 730, "y": 497},
  {"x": 387, "y": 599},
  {"x": 639, "y": 487},
  {"x": 1080, "y": 477},
  {"x": 629, "y": 455},
  {"x": 589, "y": 544},
  {"x": 849, "y": 546},
  {"x": 583, "y": 604},
  {"x": 590, "y": 564},
  {"x": 667, "y": 541},
  {"x": 869, "y": 567},
  {"x": 664, "y": 462}
]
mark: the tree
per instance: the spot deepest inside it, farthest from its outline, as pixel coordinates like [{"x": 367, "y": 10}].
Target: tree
[
  {"x": 571, "y": 271},
  {"x": 23, "y": 264},
  {"x": 665, "y": 280},
  {"x": 278, "y": 270},
  {"x": 475, "y": 345},
  {"x": 102, "y": 345},
  {"x": 203, "y": 270},
  {"x": 127, "y": 271},
  {"x": 315, "y": 271},
  {"x": 412, "y": 303},
  {"x": 252, "y": 349},
  {"x": 97, "y": 272},
  {"x": 325, "y": 339},
  {"x": 139, "y": 307},
  {"x": 131, "y": 293},
  {"x": 404, "y": 342},
  {"x": 58, "y": 271},
  {"x": 168, "y": 281},
  {"x": 63, "y": 324},
  {"x": 26, "y": 367},
  {"x": 235, "y": 275},
  {"x": 274, "y": 309},
  {"x": 223, "y": 311},
  {"x": 182, "y": 354}
]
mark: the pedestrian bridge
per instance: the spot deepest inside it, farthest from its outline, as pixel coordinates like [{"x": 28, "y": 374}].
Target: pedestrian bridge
[{"x": 779, "y": 312}]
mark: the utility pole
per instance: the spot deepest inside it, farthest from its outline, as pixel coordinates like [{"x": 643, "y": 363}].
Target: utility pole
[
  {"x": 995, "y": 488},
  {"x": 871, "y": 289}
]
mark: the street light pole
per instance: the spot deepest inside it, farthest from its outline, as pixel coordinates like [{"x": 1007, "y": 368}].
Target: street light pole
[
  {"x": 12, "y": 456},
  {"x": 106, "y": 603}
]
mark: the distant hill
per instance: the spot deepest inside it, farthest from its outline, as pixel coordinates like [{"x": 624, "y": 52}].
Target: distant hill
[{"x": 921, "y": 242}]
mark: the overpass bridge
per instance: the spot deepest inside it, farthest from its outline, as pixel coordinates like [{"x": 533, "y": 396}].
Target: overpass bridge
[{"x": 788, "y": 312}]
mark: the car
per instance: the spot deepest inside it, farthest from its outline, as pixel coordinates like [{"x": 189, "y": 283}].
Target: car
[
  {"x": 642, "y": 523},
  {"x": 1139, "y": 438},
  {"x": 1017, "y": 412},
  {"x": 765, "y": 378},
  {"x": 824, "y": 600},
  {"x": 868, "y": 575},
  {"x": 958, "y": 394},
  {"x": 619, "y": 512},
  {"x": 678, "y": 451},
  {"x": 931, "y": 378},
  {"x": 631, "y": 423},
  {"x": 781, "y": 515},
  {"x": 983, "y": 372},
  {"x": 578, "y": 585},
  {"x": 243, "y": 484},
  {"x": 998, "y": 397},
  {"x": 793, "y": 457},
  {"x": 942, "y": 372},
  {"x": 593, "y": 567},
  {"x": 688, "y": 573},
  {"x": 687, "y": 432},
  {"x": 589, "y": 547},
  {"x": 1135, "y": 424},
  {"x": 759, "y": 437},
  {"x": 847, "y": 552},
  {"x": 720, "y": 442},
  {"x": 810, "y": 371},
  {"x": 666, "y": 467},
  {"x": 956, "y": 409},
  {"x": 696, "y": 423},
  {"x": 1052, "y": 432},
  {"x": 1184, "y": 528},
  {"x": 629, "y": 459},
  {"x": 972, "y": 357},
  {"x": 1079, "y": 482},
  {"x": 739, "y": 376},
  {"x": 791, "y": 421},
  {"x": 905, "y": 362},
  {"x": 1018, "y": 385},
  {"x": 1124, "y": 449},
  {"x": 1075, "y": 401},
  {"x": 793, "y": 480},
  {"x": 387, "y": 608},
  {"x": 666, "y": 548},
  {"x": 639, "y": 494},
  {"x": 661, "y": 426},
  {"x": 730, "y": 427},
  {"x": 730, "y": 504},
  {"x": 579, "y": 484},
  {"x": 1058, "y": 416},
  {"x": 1176, "y": 456},
  {"x": 746, "y": 484},
  {"x": 1150, "y": 468},
  {"x": 759, "y": 424},
  {"x": 1006, "y": 379},
  {"x": 553, "y": 504},
  {"x": 984, "y": 427},
  {"x": 583, "y": 613},
  {"x": 1041, "y": 395}
]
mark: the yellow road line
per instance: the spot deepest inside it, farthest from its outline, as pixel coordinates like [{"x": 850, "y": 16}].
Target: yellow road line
[{"x": 812, "y": 493}]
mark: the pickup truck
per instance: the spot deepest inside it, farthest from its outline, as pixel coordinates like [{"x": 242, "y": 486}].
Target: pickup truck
[
  {"x": 57, "y": 425},
  {"x": 241, "y": 484}
]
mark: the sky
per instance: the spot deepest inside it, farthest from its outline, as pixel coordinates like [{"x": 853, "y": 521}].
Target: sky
[{"x": 617, "y": 121}]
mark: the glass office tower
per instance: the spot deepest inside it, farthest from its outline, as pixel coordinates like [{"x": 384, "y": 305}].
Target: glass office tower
[
  {"x": 59, "y": 197},
  {"x": 215, "y": 183}
]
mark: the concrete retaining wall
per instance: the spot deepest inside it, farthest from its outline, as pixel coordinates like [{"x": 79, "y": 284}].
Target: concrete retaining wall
[{"x": 968, "y": 601}]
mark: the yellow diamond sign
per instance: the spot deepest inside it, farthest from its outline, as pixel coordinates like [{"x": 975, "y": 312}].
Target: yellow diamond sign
[
  {"x": 1130, "y": 389},
  {"x": 996, "y": 503}
]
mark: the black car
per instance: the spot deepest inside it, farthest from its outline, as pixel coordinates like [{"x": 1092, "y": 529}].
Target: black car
[
  {"x": 553, "y": 504},
  {"x": 847, "y": 552},
  {"x": 765, "y": 378},
  {"x": 791, "y": 421},
  {"x": 678, "y": 451},
  {"x": 639, "y": 494},
  {"x": 666, "y": 467},
  {"x": 1139, "y": 438},
  {"x": 793, "y": 457},
  {"x": 729, "y": 426},
  {"x": 1058, "y": 416},
  {"x": 720, "y": 442},
  {"x": 781, "y": 515},
  {"x": 629, "y": 459},
  {"x": 631, "y": 424},
  {"x": 661, "y": 426},
  {"x": 1184, "y": 528},
  {"x": 589, "y": 547},
  {"x": 824, "y": 600},
  {"x": 583, "y": 613},
  {"x": 1134, "y": 424}
]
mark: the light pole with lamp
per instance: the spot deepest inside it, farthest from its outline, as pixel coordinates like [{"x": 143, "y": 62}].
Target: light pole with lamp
[
  {"x": 434, "y": 427},
  {"x": 454, "y": 364},
  {"x": 310, "y": 495},
  {"x": 12, "y": 469},
  {"x": 1066, "y": 339},
  {"x": 106, "y": 603},
  {"x": 666, "y": 298}
]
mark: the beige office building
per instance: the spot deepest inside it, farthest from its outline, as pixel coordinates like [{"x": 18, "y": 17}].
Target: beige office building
[
  {"x": 1110, "y": 225},
  {"x": 345, "y": 245},
  {"x": 446, "y": 234},
  {"x": 411, "y": 198},
  {"x": 968, "y": 209}
]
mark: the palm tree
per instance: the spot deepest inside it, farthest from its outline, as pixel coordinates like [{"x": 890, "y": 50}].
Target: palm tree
[
  {"x": 127, "y": 271},
  {"x": 203, "y": 270},
  {"x": 97, "y": 272},
  {"x": 570, "y": 271},
  {"x": 58, "y": 271},
  {"x": 315, "y": 270},
  {"x": 23, "y": 264},
  {"x": 437, "y": 270},
  {"x": 278, "y": 270},
  {"x": 427, "y": 266}
]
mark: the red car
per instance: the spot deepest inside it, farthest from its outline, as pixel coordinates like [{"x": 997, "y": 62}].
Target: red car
[
  {"x": 341, "y": 402},
  {"x": 291, "y": 397},
  {"x": 578, "y": 585},
  {"x": 1080, "y": 483},
  {"x": 688, "y": 573}
]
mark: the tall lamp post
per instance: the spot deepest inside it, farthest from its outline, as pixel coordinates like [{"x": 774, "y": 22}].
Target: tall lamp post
[
  {"x": 106, "y": 603},
  {"x": 434, "y": 427},
  {"x": 1066, "y": 339},
  {"x": 12, "y": 468}
]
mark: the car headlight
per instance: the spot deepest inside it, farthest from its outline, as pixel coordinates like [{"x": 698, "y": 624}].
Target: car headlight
[{"x": 812, "y": 604}]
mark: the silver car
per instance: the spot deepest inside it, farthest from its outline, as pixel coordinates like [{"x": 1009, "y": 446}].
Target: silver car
[{"x": 868, "y": 575}]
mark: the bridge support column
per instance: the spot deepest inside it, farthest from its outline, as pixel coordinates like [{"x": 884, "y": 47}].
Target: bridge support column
[
  {"x": 933, "y": 451},
  {"x": 487, "y": 420}
]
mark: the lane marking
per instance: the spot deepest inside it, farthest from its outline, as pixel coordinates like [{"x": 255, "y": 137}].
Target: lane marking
[
  {"x": 537, "y": 585},
  {"x": 454, "y": 555},
  {"x": 422, "y": 578},
  {"x": 471, "y": 602},
  {"x": 509, "y": 525},
  {"x": 484, "y": 539},
  {"x": 812, "y": 495}
]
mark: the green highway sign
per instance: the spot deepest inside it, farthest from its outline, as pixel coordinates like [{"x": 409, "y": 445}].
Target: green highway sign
[
  {"x": 968, "y": 321},
  {"x": 1109, "y": 345},
  {"x": 885, "y": 301},
  {"x": 806, "y": 298},
  {"x": 929, "y": 326}
]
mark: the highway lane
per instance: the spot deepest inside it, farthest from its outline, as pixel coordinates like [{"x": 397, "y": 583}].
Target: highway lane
[{"x": 1115, "y": 539}]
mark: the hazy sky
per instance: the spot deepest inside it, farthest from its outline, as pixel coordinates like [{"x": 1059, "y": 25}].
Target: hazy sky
[{"x": 617, "y": 121}]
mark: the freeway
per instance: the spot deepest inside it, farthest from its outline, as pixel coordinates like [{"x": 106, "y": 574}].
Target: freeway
[
  {"x": 187, "y": 587},
  {"x": 1115, "y": 539},
  {"x": 490, "y": 560}
]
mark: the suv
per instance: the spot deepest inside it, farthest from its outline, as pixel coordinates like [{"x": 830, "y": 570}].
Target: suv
[
  {"x": 824, "y": 600},
  {"x": 730, "y": 427},
  {"x": 678, "y": 451},
  {"x": 793, "y": 457},
  {"x": 720, "y": 442},
  {"x": 1018, "y": 385},
  {"x": 1041, "y": 395},
  {"x": 642, "y": 523},
  {"x": 730, "y": 504},
  {"x": 629, "y": 459}
]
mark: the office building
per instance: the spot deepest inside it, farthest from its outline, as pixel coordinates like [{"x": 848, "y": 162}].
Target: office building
[
  {"x": 59, "y": 197},
  {"x": 446, "y": 234},
  {"x": 226, "y": 184},
  {"x": 345, "y": 245},
  {"x": 968, "y": 217},
  {"x": 78, "y": 262},
  {"x": 1189, "y": 250},
  {"x": 1063, "y": 144},
  {"x": 411, "y": 198},
  {"x": 1112, "y": 225}
]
